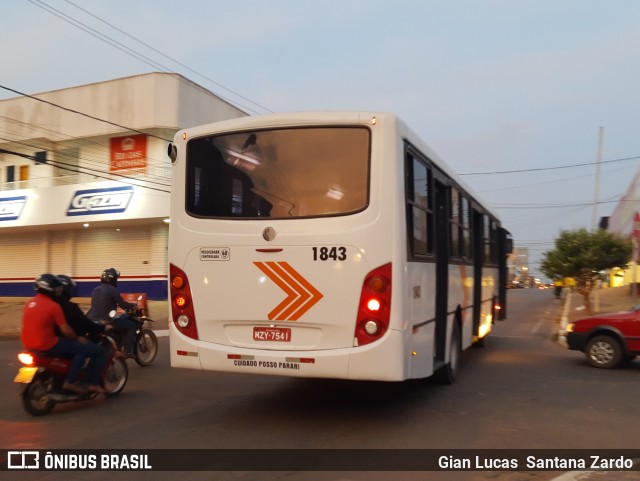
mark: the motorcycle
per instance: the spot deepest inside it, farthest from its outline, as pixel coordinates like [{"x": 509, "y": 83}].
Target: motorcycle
[
  {"x": 44, "y": 377},
  {"x": 145, "y": 347}
]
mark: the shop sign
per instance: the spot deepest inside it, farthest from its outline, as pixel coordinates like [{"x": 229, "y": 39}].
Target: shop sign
[
  {"x": 129, "y": 153},
  {"x": 11, "y": 207},
  {"x": 100, "y": 201}
]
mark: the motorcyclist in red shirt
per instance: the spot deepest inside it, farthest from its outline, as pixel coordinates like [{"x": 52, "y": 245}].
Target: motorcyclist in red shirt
[{"x": 42, "y": 319}]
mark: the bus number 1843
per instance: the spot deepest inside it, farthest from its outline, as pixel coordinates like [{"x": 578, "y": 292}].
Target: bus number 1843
[{"x": 329, "y": 253}]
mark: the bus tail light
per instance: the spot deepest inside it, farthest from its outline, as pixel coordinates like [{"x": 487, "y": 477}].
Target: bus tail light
[
  {"x": 375, "y": 306},
  {"x": 183, "y": 314}
]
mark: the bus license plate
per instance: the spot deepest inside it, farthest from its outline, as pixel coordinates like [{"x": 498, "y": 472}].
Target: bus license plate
[{"x": 280, "y": 334}]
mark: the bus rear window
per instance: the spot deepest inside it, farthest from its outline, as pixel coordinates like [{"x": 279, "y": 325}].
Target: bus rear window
[{"x": 277, "y": 174}]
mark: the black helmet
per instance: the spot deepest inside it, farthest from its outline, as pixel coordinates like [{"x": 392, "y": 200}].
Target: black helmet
[
  {"x": 48, "y": 284},
  {"x": 110, "y": 276},
  {"x": 69, "y": 287}
]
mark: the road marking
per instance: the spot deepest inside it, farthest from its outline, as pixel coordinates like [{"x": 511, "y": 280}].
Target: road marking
[{"x": 537, "y": 326}]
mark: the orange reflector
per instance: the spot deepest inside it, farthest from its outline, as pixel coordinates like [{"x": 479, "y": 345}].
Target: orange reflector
[
  {"x": 377, "y": 284},
  {"x": 177, "y": 282}
]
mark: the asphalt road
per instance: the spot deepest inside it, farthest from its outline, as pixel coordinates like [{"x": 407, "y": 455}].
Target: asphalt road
[{"x": 522, "y": 391}]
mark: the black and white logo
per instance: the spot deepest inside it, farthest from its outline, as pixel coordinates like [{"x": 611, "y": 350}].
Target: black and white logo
[
  {"x": 11, "y": 207},
  {"x": 100, "y": 201}
]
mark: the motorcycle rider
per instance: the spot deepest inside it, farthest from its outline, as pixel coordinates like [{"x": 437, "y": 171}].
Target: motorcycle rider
[
  {"x": 106, "y": 298},
  {"x": 41, "y": 316},
  {"x": 76, "y": 319}
]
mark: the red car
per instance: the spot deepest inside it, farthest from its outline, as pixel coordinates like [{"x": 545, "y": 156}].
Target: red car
[{"x": 608, "y": 340}]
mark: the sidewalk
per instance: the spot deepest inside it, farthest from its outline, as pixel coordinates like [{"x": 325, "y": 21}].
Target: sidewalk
[
  {"x": 11, "y": 314},
  {"x": 604, "y": 300}
]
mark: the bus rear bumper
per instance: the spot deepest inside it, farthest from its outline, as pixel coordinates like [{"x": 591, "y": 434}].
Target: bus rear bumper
[{"x": 382, "y": 360}]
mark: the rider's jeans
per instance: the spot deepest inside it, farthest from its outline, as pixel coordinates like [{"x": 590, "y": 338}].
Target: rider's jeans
[
  {"x": 124, "y": 325},
  {"x": 79, "y": 352}
]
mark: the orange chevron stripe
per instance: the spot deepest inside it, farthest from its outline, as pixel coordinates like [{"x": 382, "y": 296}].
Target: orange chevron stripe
[
  {"x": 301, "y": 294},
  {"x": 291, "y": 294},
  {"x": 312, "y": 297}
]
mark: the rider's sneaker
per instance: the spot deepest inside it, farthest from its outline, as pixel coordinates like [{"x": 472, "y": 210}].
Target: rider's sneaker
[
  {"x": 73, "y": 387},
  {"x": 96, "y": 389}
]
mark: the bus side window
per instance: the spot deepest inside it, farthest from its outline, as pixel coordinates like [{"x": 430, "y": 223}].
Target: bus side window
[
  {"x": 467, "y": 227},
  {"x": 419, "y": 207},
  {"x": 454, "y": 222},
  {"x": 490, "y": 240}
]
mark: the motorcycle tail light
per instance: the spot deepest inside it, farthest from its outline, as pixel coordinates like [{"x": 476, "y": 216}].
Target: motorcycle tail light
[{"x": 26, "y": 358}]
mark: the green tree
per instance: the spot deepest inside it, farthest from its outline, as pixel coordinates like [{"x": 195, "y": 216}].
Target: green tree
[{"x": 583, "y": 255}]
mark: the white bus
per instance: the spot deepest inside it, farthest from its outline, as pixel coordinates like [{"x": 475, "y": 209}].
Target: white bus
[{"x": 327, "y": 245}]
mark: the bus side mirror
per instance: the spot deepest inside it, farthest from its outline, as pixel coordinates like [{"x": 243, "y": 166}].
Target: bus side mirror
[{"x": 172, "y": 151}]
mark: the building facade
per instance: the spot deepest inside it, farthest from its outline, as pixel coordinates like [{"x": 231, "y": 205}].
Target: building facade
[{"x": 85, "y": 180}]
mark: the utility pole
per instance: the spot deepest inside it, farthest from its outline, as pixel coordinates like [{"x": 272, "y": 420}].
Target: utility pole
[{"x": 596, "y": 194}]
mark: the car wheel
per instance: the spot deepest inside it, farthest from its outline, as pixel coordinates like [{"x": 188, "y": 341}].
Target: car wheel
[{"x": 604, "y": 352}]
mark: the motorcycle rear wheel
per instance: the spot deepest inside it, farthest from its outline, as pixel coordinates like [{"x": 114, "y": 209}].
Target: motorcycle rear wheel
[
  {"x": 34, "y": 397},
  {"x": 146, "y": 347},
  {"x": 116, "y": 377}
]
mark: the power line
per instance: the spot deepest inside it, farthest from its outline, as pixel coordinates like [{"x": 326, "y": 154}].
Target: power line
[
  {"x": 95, "y": 161},
  {"x": 96, "y": 173},
  {"x": 120, "y": 46},
  {"x": 550, "y": 168},
  {"x": 562, "y": 179},
  {"x": 84, "y": 114},
  {"x": 168, "y": 57},
  {"x": 114, "y": 43},
  {"x": 548, "y": 206},
  {"x": 92, "y": 147}
]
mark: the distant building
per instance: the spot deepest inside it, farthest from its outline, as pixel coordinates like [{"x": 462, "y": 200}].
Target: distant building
[
  {"x": 81, "y": 193},
  {"x": 621, "y": 222},
  {"x": 519, "y": 266}
]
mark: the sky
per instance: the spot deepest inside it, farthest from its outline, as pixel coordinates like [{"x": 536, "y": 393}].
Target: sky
[{"x": 512, "y": 94}]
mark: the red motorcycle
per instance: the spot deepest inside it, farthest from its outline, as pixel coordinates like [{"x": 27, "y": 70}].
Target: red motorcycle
[{"x": 44, "y": 377}]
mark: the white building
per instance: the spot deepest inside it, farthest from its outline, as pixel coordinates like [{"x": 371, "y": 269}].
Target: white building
[
  {"x": 622, "y": 219},
  {"x": 81, "y": 193}
]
